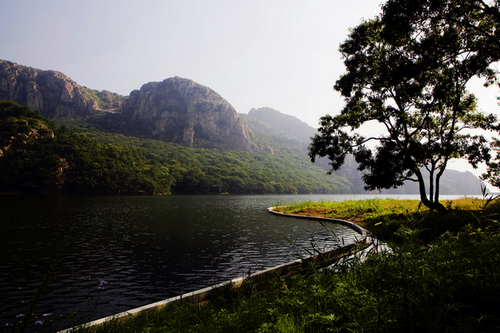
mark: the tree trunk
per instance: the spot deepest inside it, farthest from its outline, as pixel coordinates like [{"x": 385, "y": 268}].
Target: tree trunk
[{"x": 432, "y": 205}]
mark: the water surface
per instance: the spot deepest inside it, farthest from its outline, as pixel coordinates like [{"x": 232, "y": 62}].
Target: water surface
[{"x": 111, "y": 254}]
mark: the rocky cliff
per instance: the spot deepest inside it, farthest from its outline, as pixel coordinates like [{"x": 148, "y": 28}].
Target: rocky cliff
[
  {"x": 50, "y": 92},
  {"x": 174, "y": 110},
  {"x": 182, "y": 111}
]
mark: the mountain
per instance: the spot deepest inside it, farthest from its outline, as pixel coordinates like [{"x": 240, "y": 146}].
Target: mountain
[
  {"x": 274, "y": 123},
  {"x": 174, "y": 110},
  {"x": 182, "y": 111},
  {"x": 276, "y": 126},
  {"x": 51, "y": 93},
  {"x": 452, "y": 182}
]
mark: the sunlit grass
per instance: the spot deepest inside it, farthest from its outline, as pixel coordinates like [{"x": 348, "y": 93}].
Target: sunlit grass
[
  {"x": 371, "y": 207},
  {"x": 384, "y": 217},
  {"x": 364, "y": 212},
  {"x": 352, "y": 210}
]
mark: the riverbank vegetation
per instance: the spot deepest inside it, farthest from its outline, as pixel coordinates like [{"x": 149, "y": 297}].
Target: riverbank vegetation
[
  {"x": 440, "y": 275},
  {"x": 384, "y": 217}
]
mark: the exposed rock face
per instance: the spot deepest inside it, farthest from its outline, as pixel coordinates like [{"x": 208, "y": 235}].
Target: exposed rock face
[
  {"x": 52, "y": 93},
  {"x": 174, "y": 110},
  {"x": 182, "y": 111}
]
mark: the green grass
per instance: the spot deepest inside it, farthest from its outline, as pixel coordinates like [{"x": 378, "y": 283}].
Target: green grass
[
  {"x": 441, "y": 276},
  {"x": 362, "y": 210},
  {"x": 383, "y": 217}
]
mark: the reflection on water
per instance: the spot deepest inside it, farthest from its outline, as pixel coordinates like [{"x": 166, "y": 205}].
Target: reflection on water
[{"x": 146, "y": 249}]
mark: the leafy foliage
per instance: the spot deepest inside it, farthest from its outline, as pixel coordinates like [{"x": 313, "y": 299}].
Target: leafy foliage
[
  {"x": 408, "y": 72},
  {"x": 476, "y": 22},
  {"x": 43, "y": 158},
  {"x": 493, "y": 173}
]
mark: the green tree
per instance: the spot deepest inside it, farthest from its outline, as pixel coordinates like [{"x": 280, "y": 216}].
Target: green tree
[
  {"x": 492, "y": 175},
  {"x": 477, "y": 22},
  {"x": 409, "y": 76}
]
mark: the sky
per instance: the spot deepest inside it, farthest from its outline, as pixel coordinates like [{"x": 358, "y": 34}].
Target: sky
[{"x": 281, "y": 54}]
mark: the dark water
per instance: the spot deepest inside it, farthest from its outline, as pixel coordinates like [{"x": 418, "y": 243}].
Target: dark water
[{"x": 111, "y": 254}]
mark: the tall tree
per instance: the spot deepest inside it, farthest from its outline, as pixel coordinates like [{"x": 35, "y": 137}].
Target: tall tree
[
  {"x": 477, "y": 22},
  {"x": 407, "y": 70}
]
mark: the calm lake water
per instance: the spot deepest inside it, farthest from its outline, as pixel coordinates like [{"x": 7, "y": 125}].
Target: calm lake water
[{"x": 111, "y": 254}]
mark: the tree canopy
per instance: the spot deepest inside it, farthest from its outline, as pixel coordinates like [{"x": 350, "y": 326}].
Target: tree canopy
[{"x": 407, "y": 70}]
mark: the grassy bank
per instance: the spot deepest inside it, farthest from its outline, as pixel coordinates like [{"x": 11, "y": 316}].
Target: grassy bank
[
  {"x": 384, "y": 217},
  {"x": 441, "y": 276}
]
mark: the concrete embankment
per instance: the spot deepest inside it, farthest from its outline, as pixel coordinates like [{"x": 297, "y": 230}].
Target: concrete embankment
[
  {"x": 293, "y": 267},
  {"x": 363, "y": 233}
]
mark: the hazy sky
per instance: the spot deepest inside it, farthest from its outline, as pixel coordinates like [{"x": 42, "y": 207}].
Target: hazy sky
[{"x": 281, "y": 54}]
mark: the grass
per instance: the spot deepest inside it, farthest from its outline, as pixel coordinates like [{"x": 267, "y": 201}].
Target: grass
[
  {"x": 441, "y": 275},
  {"x": 383, "y": 217},
  {"x": 362, "y": 211}
]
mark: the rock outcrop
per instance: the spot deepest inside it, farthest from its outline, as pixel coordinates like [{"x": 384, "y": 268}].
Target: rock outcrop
[
  {"x": 52, "y": 93},
  {"x": 174, "y": 110},
  {"x": 185, "y": 112}
]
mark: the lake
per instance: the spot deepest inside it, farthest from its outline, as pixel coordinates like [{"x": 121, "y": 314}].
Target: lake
[{"x": 111, "y": 254}]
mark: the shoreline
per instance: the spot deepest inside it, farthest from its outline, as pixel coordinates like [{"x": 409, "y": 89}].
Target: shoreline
[{"x": 286, "y": 269}]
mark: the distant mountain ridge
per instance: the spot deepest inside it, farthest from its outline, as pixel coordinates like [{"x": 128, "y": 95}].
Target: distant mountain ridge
[
  {"x": 271, "y": 122},
  {"x": 267, "y": 121},
  {"x": 182, "y": 111}
]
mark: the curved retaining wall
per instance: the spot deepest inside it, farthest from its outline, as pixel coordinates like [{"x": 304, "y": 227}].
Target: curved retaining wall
[
  {"x": 286, "y": 269},
  {"x": 351, "y": 225}
]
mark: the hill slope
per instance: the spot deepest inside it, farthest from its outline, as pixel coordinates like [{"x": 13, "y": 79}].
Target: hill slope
[
  {"x": 276, "y": 124},
  {"x": 51, "y": 93},
  {"x": 185, "y": 112},
  {"x": 281, "y": 130}
]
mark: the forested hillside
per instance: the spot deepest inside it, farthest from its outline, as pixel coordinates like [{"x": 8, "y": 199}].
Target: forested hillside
[
  {"x": 287, "y": 133},
  {"x": 39, "y": 156},
  {"x": 214, "y": 171},
  {"x": 206, "y": 146}
]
